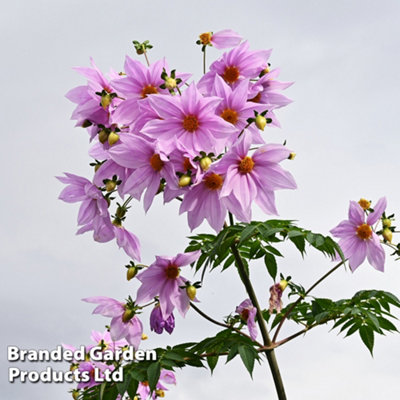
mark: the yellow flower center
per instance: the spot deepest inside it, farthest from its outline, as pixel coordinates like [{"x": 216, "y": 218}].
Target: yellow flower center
[
  {"x": 213, "y": 181},
  {"x": 231, "y": 74},
  {"x": 205, "y": 38},
  {"x": 156, "y": 162},
  {"x": 190, "y": 123},
  {"x": 246, "y": 165},
  {"x": 149, "y": 89},
  {"x": 365, "y": 204},
  {"x": 172, "y": 271},
  {"x": 364, "y": 231},
  {"x": 230, "y": 115}
]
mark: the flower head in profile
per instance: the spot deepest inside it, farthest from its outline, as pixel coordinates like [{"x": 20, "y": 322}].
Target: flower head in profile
[
  {"x": 221, "y": 39},
  {"x": 158, "y": 323},
  {"x": 124, "y": 322},
  {"x": 163, "y": 279},
  {"x": 358, "y": 240},
  {"x": 247, "y": 313}
]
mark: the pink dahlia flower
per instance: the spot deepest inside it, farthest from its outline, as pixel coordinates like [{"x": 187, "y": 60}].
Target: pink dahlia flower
[
  {"x": 221, "y": 39},
  {"x": 248, "y": 312},
  {"x": 357, "y": 237},
  {"x": 162, "y": 279},
  {"x": 122, "y": 325},
  {"x": 188, "y": 122},
  {"x": 253, "y": 177}
]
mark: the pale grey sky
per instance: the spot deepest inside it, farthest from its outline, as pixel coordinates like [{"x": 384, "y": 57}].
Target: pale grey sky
[{"x": 344, "y": 58}]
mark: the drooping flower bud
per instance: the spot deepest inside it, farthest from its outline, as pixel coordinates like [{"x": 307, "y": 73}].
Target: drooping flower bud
[
  {"x": 103, "y": 136},
  {"x": 387, "y": 234},
  {"x": 110, "y": 185},
  {"x": 205, "y": 163},
  {"x": 261, "y": 122},
  {"x": 184, "y": 180},
  {"x": 191, "y": 292},
  {"x": 131, "y": 273},
  {"x": 113, "y": 138},
  {"x": 127, "y": 315}
]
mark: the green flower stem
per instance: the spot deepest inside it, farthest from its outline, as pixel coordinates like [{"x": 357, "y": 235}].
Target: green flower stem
[
  {"x": 208, "y": 318},
  {"x": 300, "y": 298}
]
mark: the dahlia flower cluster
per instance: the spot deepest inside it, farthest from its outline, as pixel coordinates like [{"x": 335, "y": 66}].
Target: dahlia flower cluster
[{"x": 154, "y": 131}]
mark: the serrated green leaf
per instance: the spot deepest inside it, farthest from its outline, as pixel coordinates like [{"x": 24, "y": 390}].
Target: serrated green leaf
[
  {"x": 247, "y": 355},
  {"x": 367, "y": 336},
  {"x": 153, "y": 374},
  {"x": 270, "y": 263}
]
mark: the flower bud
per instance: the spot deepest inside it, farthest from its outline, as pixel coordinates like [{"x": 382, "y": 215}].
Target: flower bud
[
  {"x": 387, "y": 234},
  {"x": 113, "y": 138},
  {"x": 184, "y": 180},
  {"x": 283, "y": 284},
  {"x": 127, "y": 315},
  {"x": 205, "y": 163},
  {"x": 387, "y": 223},
  {"x": 75, "y": 394},
  {"x": 191, "y": 292},
  {"x": 365, "y": 204},
  {"x": 103, "y": 136},
  {"x": 110, "y": 185},
  {"x": 96, "y": 167},
  {"x": 144, "y": 336},
  {"x": 292, "y": 156},
  {"x": 105, "y": 100},
  {"x": 160, "y": 393},
  {"x": 131, "y": 273},
  {"x": 205, "y": 38},
  {"x": 261, "y": 122},
  {"x": 170, "y": 83}
]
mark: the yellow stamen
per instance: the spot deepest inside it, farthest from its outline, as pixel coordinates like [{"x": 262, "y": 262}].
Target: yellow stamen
[
  {"x": 246, "y": 165},
  {"x": 213, "y": 181},
  {"x": 364, "y": 231},
  {"x": 230, "y": 115}
]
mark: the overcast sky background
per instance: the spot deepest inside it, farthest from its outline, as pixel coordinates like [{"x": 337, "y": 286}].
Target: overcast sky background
[{"x": 343, "y": 124}]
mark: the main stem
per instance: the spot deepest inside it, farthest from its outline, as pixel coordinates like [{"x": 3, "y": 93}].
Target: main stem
[{"x": 273, "y": 364}]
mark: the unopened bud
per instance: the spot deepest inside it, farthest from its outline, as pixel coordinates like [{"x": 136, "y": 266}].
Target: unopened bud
[
  {"x": 160, "y": 393},
  {"x": 73, "y": 367},
  {"x": 75, "y": 394},
  {"x": 283, "y": 284},
  {"x": 191, "y": 292},
  {"x": 144, "y": 336},
  {"x": 387, "y": 223},
  {"x": 205, "y": 38},
  {"x": 110, "y": 186},
  {"x": 170, "y": 83},
  {"x": 96, "y": 167},
  {"x": 184, "y": 180},
  {"x": 105, "y": 100},
  {"x": 131, "y": 273},
  {"x": 292, "y": 156},
  {"x": 127, "y": 315},
  {"x": 113, "y": 138},
  {"x": 103, "y": 136},
  {"x": 387, "y": 234},
  {"x": 261, "y": 122},
  {"x": 205, "y": 163},
  {"x": 264, "y": 71},
  {"x": 365, "y": 204}
]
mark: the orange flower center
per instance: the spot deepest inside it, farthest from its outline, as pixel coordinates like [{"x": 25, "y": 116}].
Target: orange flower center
[
  {"x": 172, "y": 271},
  {"x": 256, "y": 98},
  {"x": 187, "y": 165},
  {"x": 230, "y": 115},
  {"x": 156, "y": 162},
  {"x": 231, "y": 74},
  {"x": 190, "y": 123},
  {"x": 149, "y": 89},
  {"x": 145, "y": 383},
  {"x": 205, "y": 38},
  {"x": 245, "y": 314},
  {"x": 246, "y": 165},
  {"x": 364, "y": 231},
  {"x": 213, "y": 181}
]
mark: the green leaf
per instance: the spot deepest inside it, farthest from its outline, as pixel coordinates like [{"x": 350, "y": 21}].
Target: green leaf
[
  {"x": 299, "y": 242},
  {"x": 367, "y": 336},
  {"x": 233, "y": 352},
  {"x": 153, "y": 374},
  {"x": 247, "y": 355},
  {"x": 132, "y": 388},
  {"x": 212, "y": 362},
  {"x": 270, "y": 263},
  {"x": 247, "y": 232}
]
